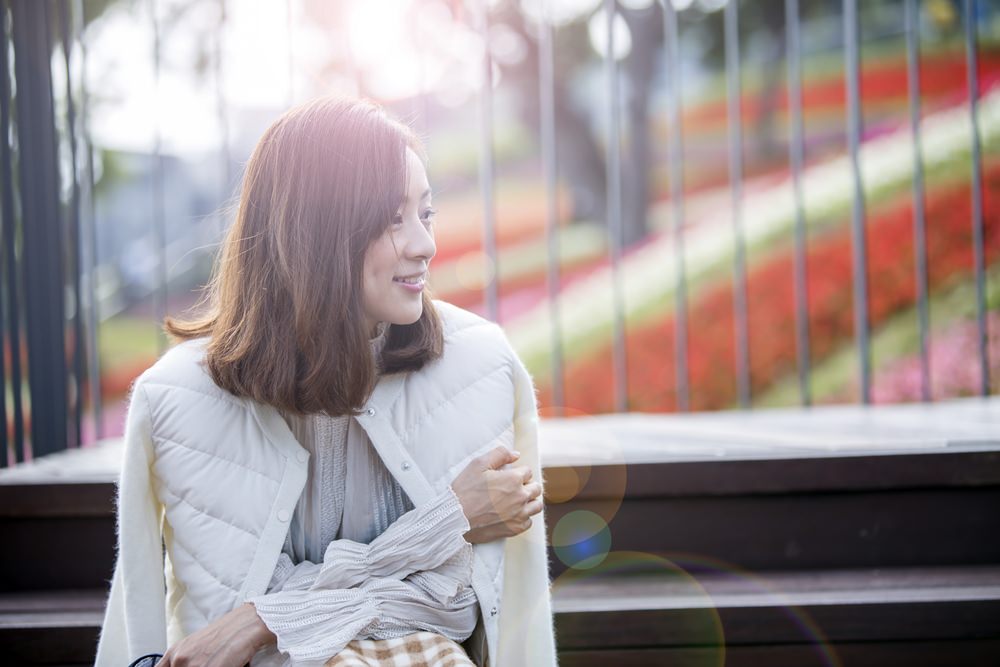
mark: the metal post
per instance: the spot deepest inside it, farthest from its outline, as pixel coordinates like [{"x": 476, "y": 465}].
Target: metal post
[
  {"x": 11, "y": 296},
  {"x": 919, "y": 221},
  {"x": 733, "y": 92},
  {"x": 852, "y": 62},
  {"x": 41, "y": 265},
  {"x": 546, "y": 96},
  {"x": 222, "y": 106},
  {"x": 613, "y": 168},
  {"x": 289, "y": 25},
  {"x": 73, "y": 228},
  {"x": 88, "y": 246},
  {"x": 486, "y": 163},
  {"x": 796, "y": 158},
  {"x": 159, "y": 224},
  {"x": 977, "y": 197},
  {"x": 675, "y": 153}
]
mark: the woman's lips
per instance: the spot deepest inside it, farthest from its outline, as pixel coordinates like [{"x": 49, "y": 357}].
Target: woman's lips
[{"x": 415, "y": 284}]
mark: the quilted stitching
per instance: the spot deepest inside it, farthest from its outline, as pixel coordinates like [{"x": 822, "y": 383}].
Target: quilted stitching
[
  {"x": 215, "y": 395},
  {"x": 178, "y": 544},
  {"x": 159, "y": 439},
  {"x": 448, "y": 400},
  {"x": 178, "y": 497}
]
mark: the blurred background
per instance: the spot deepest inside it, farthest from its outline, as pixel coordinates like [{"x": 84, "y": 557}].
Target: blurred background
[{"x": 697, "y": 205}]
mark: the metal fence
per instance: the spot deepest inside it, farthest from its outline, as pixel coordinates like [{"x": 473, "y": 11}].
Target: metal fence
[{"x": 49, "y": 322}]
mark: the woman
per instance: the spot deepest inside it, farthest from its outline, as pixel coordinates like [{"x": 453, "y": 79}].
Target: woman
[{"x": 323, "y": 468}]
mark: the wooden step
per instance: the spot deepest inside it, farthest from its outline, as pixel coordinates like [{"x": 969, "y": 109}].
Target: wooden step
[
  {"x": 823, "y": 488},
  {"x": 51, "y": 627},
  {"x": 878, "y": 509},
  {"x": 831, "y": 487},
  {"x": 40, "y": 521},
  {"x": 626, "y": 613},
  {"x": 925, "y": 616}
]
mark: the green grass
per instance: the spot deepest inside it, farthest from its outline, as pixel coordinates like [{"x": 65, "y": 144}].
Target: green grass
[{"x": 125, "y": 340}]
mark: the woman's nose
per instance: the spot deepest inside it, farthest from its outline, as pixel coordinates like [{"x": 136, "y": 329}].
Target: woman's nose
[{"x": 420, "y": 244}]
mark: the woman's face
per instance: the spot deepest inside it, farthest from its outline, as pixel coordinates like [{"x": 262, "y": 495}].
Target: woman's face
[{"x": 395, "y": 268}]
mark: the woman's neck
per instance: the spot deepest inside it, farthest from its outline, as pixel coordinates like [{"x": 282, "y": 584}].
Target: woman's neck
[{"x": 377, "y": 331}]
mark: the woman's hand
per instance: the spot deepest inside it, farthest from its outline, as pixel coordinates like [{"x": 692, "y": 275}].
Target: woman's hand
[
  {"x": 497, "y": 503},
  {"x": 228, "y": 641}
]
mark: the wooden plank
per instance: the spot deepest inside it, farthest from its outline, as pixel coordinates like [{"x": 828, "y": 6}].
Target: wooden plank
[
  {"x": 824, "y": 431},
  {"x": 56, "y": 553},
  {"x": 788, "y": 624},
  {"x": 97, "y": 463},
  {"x": 629, "y": 588},
  {"x": 969, "y": 653},
  {"x": 63, "y": 646},
  {"x": 41, "y": 602},
  {"x": 771, "y": 476},
  {"x": 57, "y": 499},
  {"x": 775, "y": 619},
  {"x": 679, "y": 609},
  {"x": 804, "y": 531}
]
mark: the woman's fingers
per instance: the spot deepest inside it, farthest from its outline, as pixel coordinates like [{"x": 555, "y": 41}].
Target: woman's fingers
[
  {"x": 496, "y": 458},
  {"x": 534, "y": 507},
  {"x": 523, "y": 473}
]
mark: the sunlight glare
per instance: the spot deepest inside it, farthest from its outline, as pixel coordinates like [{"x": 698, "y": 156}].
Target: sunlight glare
[{"x": 380, "y": 38}]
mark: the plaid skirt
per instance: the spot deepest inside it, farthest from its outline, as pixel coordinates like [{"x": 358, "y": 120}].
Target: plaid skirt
[{"x": 420, "y": 649}]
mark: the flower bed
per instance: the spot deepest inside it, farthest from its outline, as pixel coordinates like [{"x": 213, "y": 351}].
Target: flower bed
[
  {"x": 954, "y": 365},
  {"x": 771, "y": 304}
]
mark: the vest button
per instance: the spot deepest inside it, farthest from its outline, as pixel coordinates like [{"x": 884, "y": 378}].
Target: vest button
[
  {"x": 283, "y": 515},
  {"x": 371, "y": 412},
  {"x": 406, "y": 465},
  {"x": 302, "y": 456},
  {"x": 493, "y": 611}
]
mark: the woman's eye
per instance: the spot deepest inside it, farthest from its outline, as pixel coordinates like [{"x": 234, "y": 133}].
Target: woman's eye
[{"x": 427, "y": 215}]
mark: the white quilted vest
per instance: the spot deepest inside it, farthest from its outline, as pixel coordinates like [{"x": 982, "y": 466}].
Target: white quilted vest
[{"x": 227, "y": 473}]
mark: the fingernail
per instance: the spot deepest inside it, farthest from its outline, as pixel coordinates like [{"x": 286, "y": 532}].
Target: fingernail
[{"x": 517, "y": 455}]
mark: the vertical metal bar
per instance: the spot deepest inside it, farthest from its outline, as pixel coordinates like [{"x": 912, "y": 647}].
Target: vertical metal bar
[
  {"x": 421, "y": 108},
  {"x": 613, "y": 166},
  {"x": 735, "y": 114},
  {"x": 88, "y": 246},
  {"x": 546, "y": 96},
  {"x": 486, "y": 163},
  {"x": 41, "y": 266},
  {"x": 979, "y": 260},
  {"x": 796, "y": 158},
  {"x": 12, "y": 328},
  {"x": 675, "y": 153},
  {"x": 289, "y": 25},
  {"x": 852, "y": 63},
  {"x": 222, "y": 105},
  {"x": 912, "y": 15},
  {"x": 73, "y": 227},
  {"x": 159, "y": 224},
  {"x": 11, "y": 273}
]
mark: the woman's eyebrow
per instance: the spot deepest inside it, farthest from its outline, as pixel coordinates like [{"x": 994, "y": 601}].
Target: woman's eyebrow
[{"x": 426, "y": 194}]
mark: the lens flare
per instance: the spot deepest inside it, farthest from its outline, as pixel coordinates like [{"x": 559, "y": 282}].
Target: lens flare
[
  {"x": 640, "y": 575},
  {"x": 581, "y": 539}
]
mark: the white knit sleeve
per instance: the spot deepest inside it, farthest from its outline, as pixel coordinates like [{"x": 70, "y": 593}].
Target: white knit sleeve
[{"x": 417, "y": 575}]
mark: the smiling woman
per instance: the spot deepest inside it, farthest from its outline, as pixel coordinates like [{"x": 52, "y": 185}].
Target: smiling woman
[
  {"x": 325, "y": 224},
  {"x": 327, "y": 457},
  {"x": 401, "y": 256}
]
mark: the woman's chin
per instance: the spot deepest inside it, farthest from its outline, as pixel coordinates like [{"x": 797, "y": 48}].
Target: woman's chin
[{"x": 408, "y": 317}]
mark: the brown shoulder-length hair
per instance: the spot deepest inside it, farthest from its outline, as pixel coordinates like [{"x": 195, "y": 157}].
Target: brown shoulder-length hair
[{"x": 283, "y": 310}]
